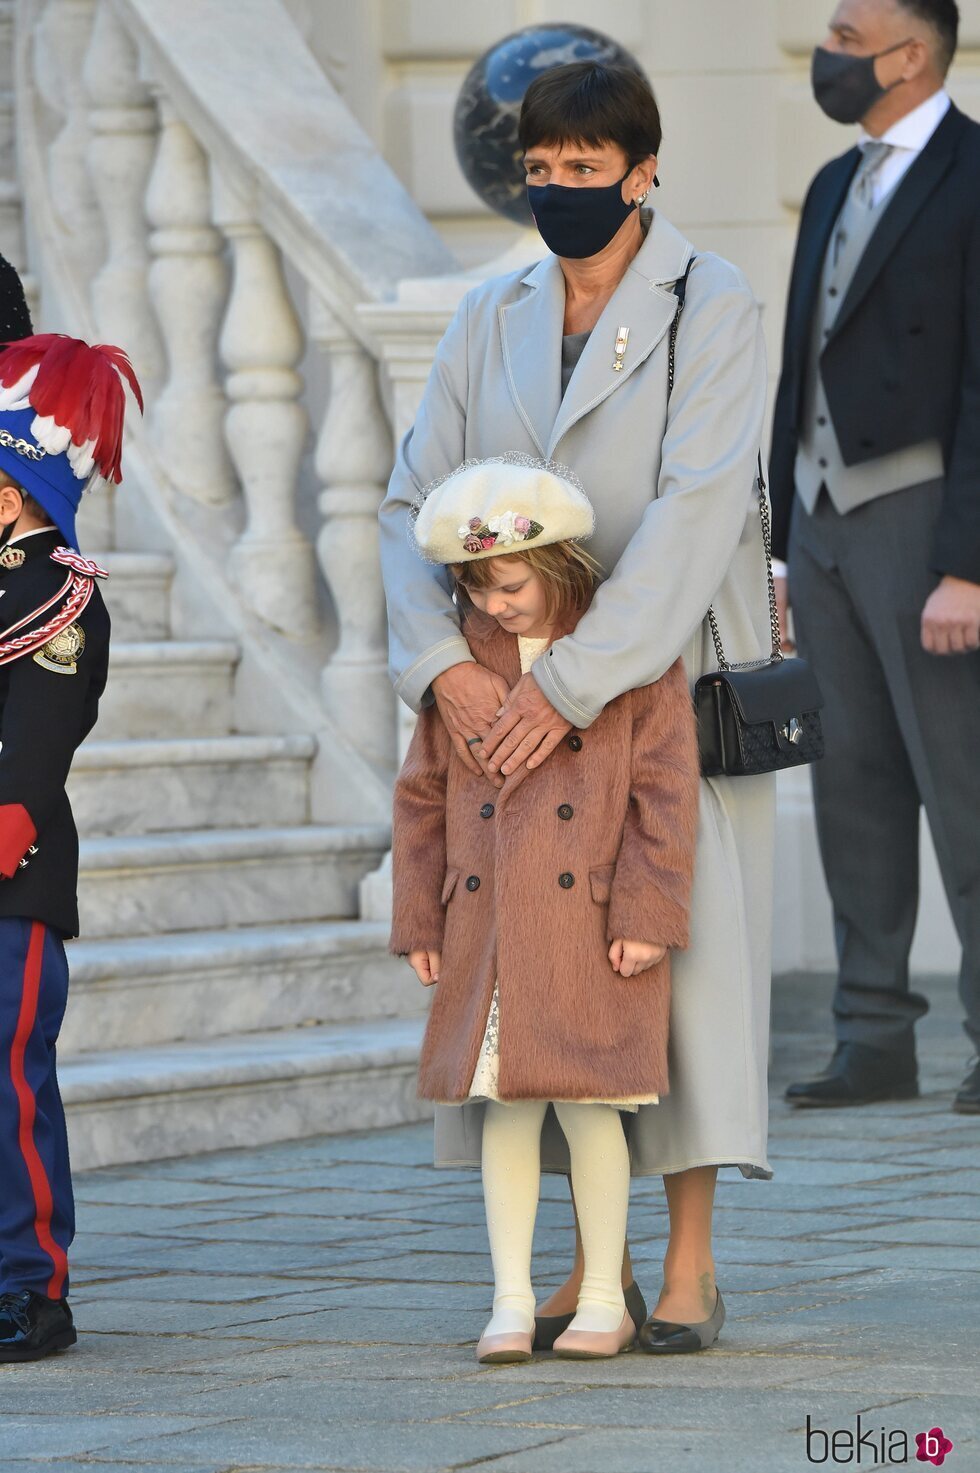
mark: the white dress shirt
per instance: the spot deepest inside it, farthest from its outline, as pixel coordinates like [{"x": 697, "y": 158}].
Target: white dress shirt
[{"x": 908, "y": 137}]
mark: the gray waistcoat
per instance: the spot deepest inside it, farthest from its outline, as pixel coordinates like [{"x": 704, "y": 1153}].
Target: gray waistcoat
[{"x": 819, "y": 460}]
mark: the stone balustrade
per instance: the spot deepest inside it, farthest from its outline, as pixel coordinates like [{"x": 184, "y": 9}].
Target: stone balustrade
[{"x": 230, "y": 259}]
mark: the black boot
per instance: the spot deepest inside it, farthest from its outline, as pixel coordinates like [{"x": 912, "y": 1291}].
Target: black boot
[
  {"x": 860, "y": 1075},
  {"x": 32, "y": 1326},
  {"x": 967, "y": 1098}
]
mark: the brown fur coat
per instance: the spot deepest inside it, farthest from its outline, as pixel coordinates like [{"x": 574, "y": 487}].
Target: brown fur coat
[{"x": 482, "y": 875}]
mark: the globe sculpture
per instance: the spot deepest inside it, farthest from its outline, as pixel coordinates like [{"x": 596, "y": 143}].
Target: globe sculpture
[{"x": 489, "y": 104}]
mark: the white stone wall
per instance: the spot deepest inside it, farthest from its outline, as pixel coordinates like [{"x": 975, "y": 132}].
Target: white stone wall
[{"x": 742, "y": 139}]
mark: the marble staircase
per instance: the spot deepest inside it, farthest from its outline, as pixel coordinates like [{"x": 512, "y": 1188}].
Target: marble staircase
[{"x": 225, "y": 991}]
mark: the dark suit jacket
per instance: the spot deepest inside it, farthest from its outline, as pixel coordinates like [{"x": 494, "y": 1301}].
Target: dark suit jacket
[{"x": 902, "y": 363}]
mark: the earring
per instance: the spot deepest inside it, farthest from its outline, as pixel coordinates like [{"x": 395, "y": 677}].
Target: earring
[{"x": 641, "y": 199}]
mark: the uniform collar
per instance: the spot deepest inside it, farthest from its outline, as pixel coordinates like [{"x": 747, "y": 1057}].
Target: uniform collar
[{"x": 34, "y": 532}]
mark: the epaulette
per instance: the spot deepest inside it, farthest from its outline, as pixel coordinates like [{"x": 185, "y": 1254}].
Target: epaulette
[{"x": 71, "y": 600}]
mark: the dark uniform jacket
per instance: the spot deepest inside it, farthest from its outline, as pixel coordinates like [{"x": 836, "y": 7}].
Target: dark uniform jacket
[
  {"x": 902, "y": 363},
  {"x": 49, "y": 700}
]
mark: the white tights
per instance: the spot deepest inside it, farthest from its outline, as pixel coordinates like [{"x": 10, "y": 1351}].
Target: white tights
[{"x": 511, "y": 1186}]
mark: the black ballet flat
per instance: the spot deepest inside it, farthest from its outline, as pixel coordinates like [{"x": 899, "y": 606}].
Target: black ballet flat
[
  {"x": 547, "y": 1327},
  {"x": 662, "y": 1337}
]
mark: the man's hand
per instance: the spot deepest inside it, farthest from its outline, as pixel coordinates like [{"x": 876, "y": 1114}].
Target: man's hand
[
  {"x": 426, "y": 965},
  {"x": 527, "y": 729},
  {"x": 786, "y": 644},
  {"x": 630, "y": 957},
  {"x": 951, "y": 618},
  {"x": 468, "y": 696}
]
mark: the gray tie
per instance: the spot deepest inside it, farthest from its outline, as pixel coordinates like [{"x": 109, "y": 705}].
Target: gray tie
[
  {"x": 860, "y": 196},
  {"x": 875, "y": 154}
]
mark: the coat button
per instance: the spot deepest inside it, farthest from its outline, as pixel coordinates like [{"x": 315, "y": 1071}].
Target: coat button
[
  {"x": 565, "y": 810},
  {"x": 822, "y": 463},
  {"x": 575, "y": 742},
  {"x": 566, "y": 880},
  {"x": 821, "y": 420},
  {"x": 486, "y": 811},
  {"x": 473, "y": 882}
]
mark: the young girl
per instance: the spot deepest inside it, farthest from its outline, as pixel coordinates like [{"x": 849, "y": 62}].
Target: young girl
[{"x": 544, "y": 909}]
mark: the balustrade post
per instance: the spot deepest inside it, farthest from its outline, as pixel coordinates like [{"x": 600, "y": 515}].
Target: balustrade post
[
  {"x": 11, "y": 214},
  {"x": 261, "y": 343},
  {"x": 61, "y": 37},
  {"x": 188, "y": 288},
  {"x": 123, "y": 125},
  {"x": 353, "y": 460}
]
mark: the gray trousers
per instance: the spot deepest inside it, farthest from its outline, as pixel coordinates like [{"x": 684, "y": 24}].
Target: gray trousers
[{"x": 902, "y": 730}]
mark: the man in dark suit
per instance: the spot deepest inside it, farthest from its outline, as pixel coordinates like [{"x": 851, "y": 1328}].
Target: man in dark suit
[{"x": 875, "y": 474}]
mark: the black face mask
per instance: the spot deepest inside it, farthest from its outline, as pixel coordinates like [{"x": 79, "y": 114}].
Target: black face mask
[
  {"x": 846, "y": 87},
  {"x": 578, "y": 221}
]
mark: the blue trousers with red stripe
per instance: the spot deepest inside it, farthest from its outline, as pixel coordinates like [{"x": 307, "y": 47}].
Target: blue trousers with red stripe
[{"x": 37, "y": 1208}]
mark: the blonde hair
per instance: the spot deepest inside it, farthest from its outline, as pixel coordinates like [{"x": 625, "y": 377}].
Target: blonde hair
[{"x": 569, "y": 575}]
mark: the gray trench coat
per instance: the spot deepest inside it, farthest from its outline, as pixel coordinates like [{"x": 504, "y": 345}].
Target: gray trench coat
[{"x": 677, "y": 530}]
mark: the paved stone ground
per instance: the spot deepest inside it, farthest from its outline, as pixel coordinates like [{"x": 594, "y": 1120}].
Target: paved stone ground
[{"x": 315, "y": 1306}]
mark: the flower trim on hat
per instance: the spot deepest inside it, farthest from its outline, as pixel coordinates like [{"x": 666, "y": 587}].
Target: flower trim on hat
[
  {"x": 488, "y": 529},
  {"x": 500, "y": 530}
]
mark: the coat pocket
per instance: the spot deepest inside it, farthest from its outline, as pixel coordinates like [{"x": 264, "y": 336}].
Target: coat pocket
[
  {"x": 600, "y": 882},
  {"x": 449, "y": 885}
]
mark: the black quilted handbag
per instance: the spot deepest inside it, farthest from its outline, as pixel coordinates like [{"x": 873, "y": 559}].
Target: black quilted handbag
[{"x": 761, "y": 715}]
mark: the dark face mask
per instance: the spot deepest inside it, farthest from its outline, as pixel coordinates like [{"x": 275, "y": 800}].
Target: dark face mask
[
  {"x": 578, "y": 221},
  {"x": 846, "y": 87}
]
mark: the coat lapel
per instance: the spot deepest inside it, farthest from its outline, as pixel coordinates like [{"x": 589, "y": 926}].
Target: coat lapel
[
  {"x": 906, "y": 204},
  {"x": 644, "y": 303},
  {"x": 531, "y": 332},
  {"x": 813, "y": 244}
]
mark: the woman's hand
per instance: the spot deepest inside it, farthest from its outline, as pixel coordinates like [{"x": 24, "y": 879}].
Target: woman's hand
[
  {"x": 630, "y": 957},
  {"x": 426, "y": 965},
  {"x": 468, "y": 696},
  {"x": 527, "y": 729}
]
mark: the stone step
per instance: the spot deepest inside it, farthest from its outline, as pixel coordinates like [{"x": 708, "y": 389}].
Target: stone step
[
  {"x": 145, "y": 787},
  {"x": 137, "y": 593},
  {"x": 145, "y": 1104},
  {"x": 148, "y": 990},
  {"x": 188, "y": 881},
  {"x": 168, "y": 688}
]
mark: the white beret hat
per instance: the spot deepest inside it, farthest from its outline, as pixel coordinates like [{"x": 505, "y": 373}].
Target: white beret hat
[{"x": 488, "y": 508}]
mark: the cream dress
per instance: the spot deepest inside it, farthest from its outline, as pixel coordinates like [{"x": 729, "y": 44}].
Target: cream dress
[{"x": 487, "y": 1071}]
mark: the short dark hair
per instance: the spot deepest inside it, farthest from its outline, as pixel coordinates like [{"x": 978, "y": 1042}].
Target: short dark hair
[
  {"x": 944, "y": 18},
  {"x": 590, "y": 103}
]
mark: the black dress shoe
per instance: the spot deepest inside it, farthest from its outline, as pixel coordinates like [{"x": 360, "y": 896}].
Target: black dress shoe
[
  {"x": 967, "y": 1098},
  {"x": 860, "y": 1075},
  {"x": 547, "y": 1327},
  {"x": 33, "y": 1326},
  {"x": 663, "y": 1337}
]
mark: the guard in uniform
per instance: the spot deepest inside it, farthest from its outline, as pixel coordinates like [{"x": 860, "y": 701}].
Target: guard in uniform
[{"x": 61, "y": 419}]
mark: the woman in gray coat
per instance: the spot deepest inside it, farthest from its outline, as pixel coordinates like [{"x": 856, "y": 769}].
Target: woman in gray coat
[{"x": 569, "y": 360}]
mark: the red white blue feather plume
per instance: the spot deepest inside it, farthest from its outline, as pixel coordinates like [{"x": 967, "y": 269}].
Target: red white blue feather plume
[{"x": 78, "y": 397}]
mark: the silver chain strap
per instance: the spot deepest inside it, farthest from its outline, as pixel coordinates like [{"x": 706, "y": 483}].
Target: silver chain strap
[
  {"x": 23, "y": 447},
  {"x": 777, "y": 653}
]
